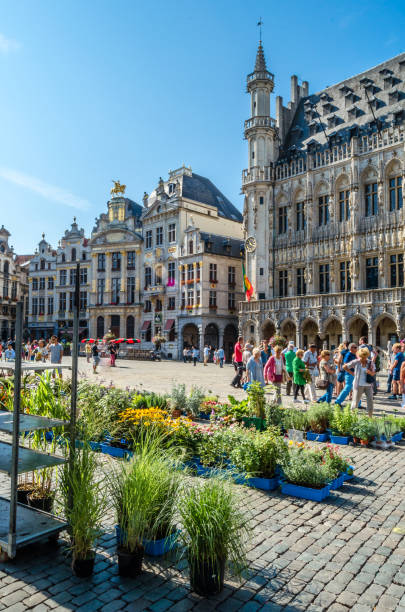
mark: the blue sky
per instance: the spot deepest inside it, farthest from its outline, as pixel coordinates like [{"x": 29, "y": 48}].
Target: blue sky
[{"x": 100, "y": 90}]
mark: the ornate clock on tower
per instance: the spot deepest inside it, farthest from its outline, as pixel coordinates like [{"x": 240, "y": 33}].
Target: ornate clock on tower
[{"x": 250, "y": 244}]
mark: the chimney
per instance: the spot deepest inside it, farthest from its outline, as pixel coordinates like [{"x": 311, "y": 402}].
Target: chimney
[
  {"x": 280, "y": 116},
  {"x": 294, "y": 89},
  {"x": 305, "y": 89}
]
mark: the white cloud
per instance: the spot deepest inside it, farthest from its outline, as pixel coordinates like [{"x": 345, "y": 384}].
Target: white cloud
[
  {"x": 8, "y": 44},
  {"x": 50, "y": 192}
]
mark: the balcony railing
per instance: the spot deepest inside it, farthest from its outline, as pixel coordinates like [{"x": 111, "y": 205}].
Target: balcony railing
[
  {"x": 260, "y": 122},
  {"x": 326, "y": 300}
]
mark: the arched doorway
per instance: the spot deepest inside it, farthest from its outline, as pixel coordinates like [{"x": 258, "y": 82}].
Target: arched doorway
[
  {"x": 333, "y": 333},
  {"x": 386, "y": 330},
  {"x": 268, "y": 329},
  {"x": 100, "y": 327},
  {"x": 191, "y": 336},
  {"x": 357, "y": 327},
  {"x": 115, "y": 325},
  {"x": 310, "y": 334},
  {"x": 130, "y": 326},
  {"x": 211, "y": 335},
  {"x": 289, "y": 330},
  {"x": 230, "y": 337}
]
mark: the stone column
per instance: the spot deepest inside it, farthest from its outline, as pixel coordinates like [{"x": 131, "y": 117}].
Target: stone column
[
  {"x": 298, "y": 335},
  {"x": 220, "y": 337},
  {"x": 107, "y": 287}
]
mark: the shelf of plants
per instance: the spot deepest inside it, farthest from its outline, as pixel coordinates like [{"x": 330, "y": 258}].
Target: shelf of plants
[
  {"x": 28, "y": 459},
  {"x": 21, "y": 524},
  {"x": 28, "y": 422}
]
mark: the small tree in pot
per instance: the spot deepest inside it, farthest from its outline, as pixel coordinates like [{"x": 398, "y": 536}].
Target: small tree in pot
[
  {"x": 214, "y": 532},
  {"x": 85, "y": 502}
]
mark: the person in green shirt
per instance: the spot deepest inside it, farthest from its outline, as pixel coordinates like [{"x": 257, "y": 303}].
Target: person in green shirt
[
  {"x": 299, "y": 380},
  {"x": 289, "y": 355}
]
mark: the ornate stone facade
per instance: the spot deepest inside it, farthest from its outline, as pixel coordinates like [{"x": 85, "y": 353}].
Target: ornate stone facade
[
  {"x": 13, "y": 285},
  {"x": 324, "y": 203}
]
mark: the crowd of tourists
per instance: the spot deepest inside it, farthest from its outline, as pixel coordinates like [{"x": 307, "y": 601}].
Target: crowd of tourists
[
  {"x": 42, "y": 351},
  {"x": 347, "y": 373}
]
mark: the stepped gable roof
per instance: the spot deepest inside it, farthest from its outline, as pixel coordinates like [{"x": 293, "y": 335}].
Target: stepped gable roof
[
  {"x": 346, "y": 105},
  {"x": 201, "y": 189},
  {"x": 221, "y": 245}
]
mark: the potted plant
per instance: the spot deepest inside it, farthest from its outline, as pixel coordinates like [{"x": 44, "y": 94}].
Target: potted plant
[
  {"x": 194, "y": 401},
  {"x": 255, "y": 406},
  {"x": 214, "y": 533},
  {"x": 318, "y": 418},
  {"x": 340, "y": 465},
  {"x": 133, "y": 488},
  {"x": 296, "y": 423},
  {"x": 85, "y": 502},
  {"x": 305, "y": 476},
  {"x": 178, "y": 400},
  {"x": 364, "y": 430},
  {"x": 342, "y": 423},
  {"x": 255, "y": 457}
]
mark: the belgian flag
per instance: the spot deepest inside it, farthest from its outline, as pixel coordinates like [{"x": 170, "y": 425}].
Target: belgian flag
[{"x": 247, "y": 284}]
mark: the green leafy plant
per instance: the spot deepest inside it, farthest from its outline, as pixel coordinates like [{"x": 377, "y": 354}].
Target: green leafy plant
[
  {"x": 178, "y": 397},
  {"x": 364, "y": 428},
  {"x": 256, "y": 400},
  {"x": 275, "y": 414},
  {"x": 214, "y": 527},
  {"x": 343, "y": 420},
  {"x": 319, "y": 417},
  {"x": 194, "y": 400},
  {"x": 304, "y": 468},
  {"x": 296, "y": 419},
  {"x": 257, "y": 454}
]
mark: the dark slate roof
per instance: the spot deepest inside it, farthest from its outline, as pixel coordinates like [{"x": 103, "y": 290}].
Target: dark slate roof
[
  {"x": 220, "y": 245},
  {"x": 260, "y": 65},
  {"x": 200, "y": 189},
  {"x": 345, "y": 107},
  {"x": 136, "y": 209}
]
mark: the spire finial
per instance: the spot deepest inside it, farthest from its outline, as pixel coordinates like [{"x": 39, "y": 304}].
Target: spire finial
[
  {"x": 74, "y": 219},
  {"x": 43, "y": 236},
  {"x": 259, "y": 24}
]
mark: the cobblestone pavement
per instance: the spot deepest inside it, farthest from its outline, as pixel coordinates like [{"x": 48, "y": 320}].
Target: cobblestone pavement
[{"x": 341, "y": 554}]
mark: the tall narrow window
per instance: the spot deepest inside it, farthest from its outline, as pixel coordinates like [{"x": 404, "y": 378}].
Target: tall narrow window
[
  {"x": 397, "y": 270},
  {"x": 41, "y": 306},
  {"x": 131, "y": 290},
  {"x": 344, "y": 208},
  {"x": 395, "y": 189},
  {"x": 62, "y": 277},
  {"x": 83, "y": 300},
  {"x": 41, "y": 283},
  {"x": 372, "y": 273},
  {"x": 73, "y": 254},
  {"x": 50, "y": 282},
  {"x": 159, "y": 236},
  {"x": 213, "y": 299},
  {"x": 116, "y": 261},
  {"x": 213, "y": 273},
  {"x": 62, "y": 302},
  {"x": 131, "y": 260},
  {"x": 158, "y": 275},
  {"x": 323, "y": 210},
  {"x": 171, "y": 232},
  {"x": 115, "y": 290},
  {"x": 148, "y": 277},
  {"x": 148, "y": 239},
  {"x": 371, "y": 199},
  {"x": 324, "y": 278},
  {"x": 100, "y": 327},
  {"x": 50, "y": 305},
  {"x": 101, "y": 262},
  {"x": 345, "y": 279},
  {"x": 282, "y": 219},
  {"x": 231, "y": 276},
  {"x": 34, "y": 310},
  {"x": 231, "y": 301},
  {"x": 83, "y": 276},
  {"x": 301, "y": 285},
  {"x": 300, "y": 215},
  {"x": 100, "y": 291},
  {"x": 283, "y": 283},
  {"x": 72, "y": 276}
]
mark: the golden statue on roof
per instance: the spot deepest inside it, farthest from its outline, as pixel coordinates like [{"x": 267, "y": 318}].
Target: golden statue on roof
[{"x": 117, "y": 189}]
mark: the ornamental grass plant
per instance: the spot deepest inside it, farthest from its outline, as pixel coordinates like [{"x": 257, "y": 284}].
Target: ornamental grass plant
[
  {"x": 215, "y": 529},
  {"x": 319, "y": 417}
]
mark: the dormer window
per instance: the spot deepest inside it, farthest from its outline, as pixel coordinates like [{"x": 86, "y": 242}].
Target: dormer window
[
  {"x": 172, "y": 188},
  {"x": 345, "y": 90},
  {"x": 353, "y": 112},
  {"x": 394, "y": 96},
  {"x": 327, "y": 108}
]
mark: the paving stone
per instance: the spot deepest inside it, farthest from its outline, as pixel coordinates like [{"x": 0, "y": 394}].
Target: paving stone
[{"x": 112, "y": 606}]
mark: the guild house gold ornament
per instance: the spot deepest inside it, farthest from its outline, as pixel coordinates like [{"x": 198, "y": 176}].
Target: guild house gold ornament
[{"x": 117, "y": 189}]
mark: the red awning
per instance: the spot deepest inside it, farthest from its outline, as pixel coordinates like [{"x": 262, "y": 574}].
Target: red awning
[
  {"x": 145, "y": 326},
  {"x": 169, "y": 324}
]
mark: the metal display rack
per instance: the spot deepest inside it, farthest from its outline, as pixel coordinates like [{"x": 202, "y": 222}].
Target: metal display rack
[{"x": 20, "y": 524}]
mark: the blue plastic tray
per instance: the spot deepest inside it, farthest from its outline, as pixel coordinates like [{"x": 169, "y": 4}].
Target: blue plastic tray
[
  {"x": 317, "y": 437},
  {"x": 305, "y": 492},
  {"x": 339, "y": 439}
]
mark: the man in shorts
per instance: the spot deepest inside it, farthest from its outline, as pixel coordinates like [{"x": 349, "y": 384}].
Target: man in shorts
[{"x": 56, "y": 353}]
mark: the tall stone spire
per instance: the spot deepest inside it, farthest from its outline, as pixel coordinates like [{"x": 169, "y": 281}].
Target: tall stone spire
[{"x": 260, "y": 65}]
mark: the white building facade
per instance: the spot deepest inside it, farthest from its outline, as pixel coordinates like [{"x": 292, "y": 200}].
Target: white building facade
[{"x": 324, "y": 222}]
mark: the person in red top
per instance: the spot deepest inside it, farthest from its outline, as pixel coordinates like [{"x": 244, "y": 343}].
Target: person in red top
[{"x": 238, "y": 350}]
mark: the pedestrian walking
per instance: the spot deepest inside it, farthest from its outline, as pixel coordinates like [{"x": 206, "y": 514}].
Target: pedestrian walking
[
  {"x": 206, "y": 354},
  {"x": 185, "y": 354},
  {"x": 395, "y": 369},
  {"x": 311, "y": 361},
  {"x": 274, "y": 371},
  {"x": 348, "y": 372},
  {"x": 364, "y": 373},
  {"x": 56, "y": 353},
  {"x": 402, "y": 383},
  {"x": 221, "y": 356},
  {"x": 327, "y": 376},
  {"x": 195, "y": 354},
  {"x": 87, "y": 350},
  {"x": 289, "y": 356},
  {"x": 254, "y": 368},
  {"x": 113, "y": 354},
  {"x": 96, "y": 357},
  {"x": 299, "y": 369},
  {"x": 238, "y": 353}
]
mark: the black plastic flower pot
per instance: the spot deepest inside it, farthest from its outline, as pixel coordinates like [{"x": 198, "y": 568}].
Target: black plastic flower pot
[
  {"x": 206, "y": 577},
  {"x": 130, "y": 563},
  {"x": 22, "y": 495},
  {"x": 83, "y": 568},
  {"x": 41, "y": 503}
]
